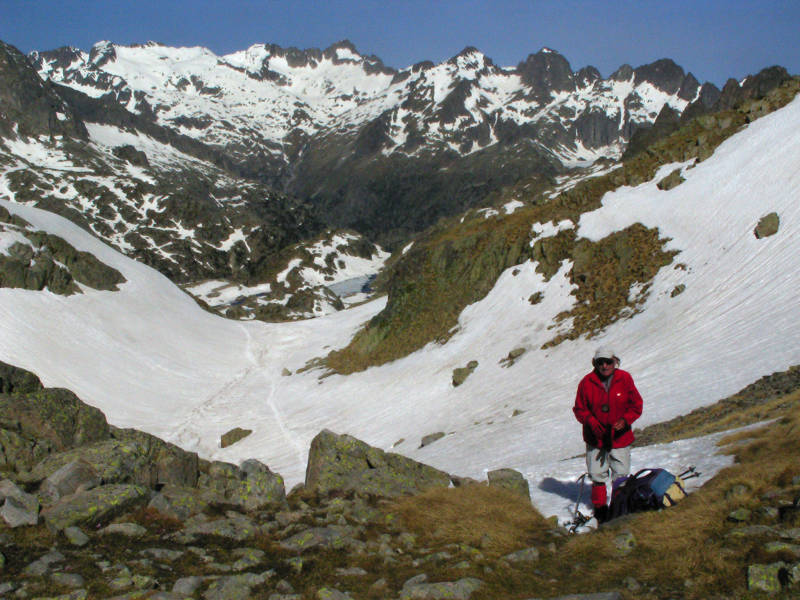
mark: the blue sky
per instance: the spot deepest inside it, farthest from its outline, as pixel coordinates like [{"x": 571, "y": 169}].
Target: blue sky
[{"x": 714, "y": 39}]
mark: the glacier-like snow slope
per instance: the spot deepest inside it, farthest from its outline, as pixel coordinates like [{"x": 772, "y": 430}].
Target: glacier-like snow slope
[{"x": 150, "y": 358}]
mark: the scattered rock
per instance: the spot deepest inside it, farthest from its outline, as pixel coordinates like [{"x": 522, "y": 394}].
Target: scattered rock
[
  {"x": 672, "y": 180},
  {"x": 740, "y": 515},
  {"x": 625, "y": 542},
  {"x": 187, "y": 586},
  {"x": 131, "y": 530},
  {"x": 450, "y": 590},
  {"x": 767, "y": 226},
  {"x": 233, "y": 436},
  {"x": 75, "y": 536},
  {"x": 525, "y": 555},
  {"x": 677, "y": 290},
  {"x": 460, "y": 374},
  {"x": 334, "y": 537},
  {"x": 427, "y": 440},
  {"x": 234, "y": 527}
]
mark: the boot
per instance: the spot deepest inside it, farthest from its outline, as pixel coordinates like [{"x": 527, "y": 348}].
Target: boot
[
  {"x": 599, "y": 502},
  {"x": 601, "y": 513}
]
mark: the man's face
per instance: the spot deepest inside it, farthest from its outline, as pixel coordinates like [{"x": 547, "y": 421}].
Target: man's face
[{"x": 605, "y": 366}]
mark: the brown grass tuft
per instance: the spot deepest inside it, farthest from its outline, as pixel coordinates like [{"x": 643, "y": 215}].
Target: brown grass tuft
[{"x": 495, "y": 520}]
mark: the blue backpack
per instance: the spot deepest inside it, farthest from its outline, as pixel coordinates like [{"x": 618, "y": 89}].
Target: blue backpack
[{"x": 649, "y": 489}]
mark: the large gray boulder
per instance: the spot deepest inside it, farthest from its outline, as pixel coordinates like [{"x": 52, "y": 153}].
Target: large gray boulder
[
  {"x": 18, "y": 508},
  {"x": 94, "y": 507},
  {"x": 252, "y": 486},
  {"x": 510, "y": 480},
  {"x": 344, "y": 463},
  {"x": 35, "y": 421},
  {"x": 75, "y": 476}
]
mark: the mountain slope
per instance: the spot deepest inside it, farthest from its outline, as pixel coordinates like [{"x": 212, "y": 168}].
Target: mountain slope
[{"x": 149, "y": 357}]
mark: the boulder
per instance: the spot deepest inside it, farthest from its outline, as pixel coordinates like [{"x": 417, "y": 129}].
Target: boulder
[
  {"x": 511, "y": 480},
  {"x": 335, "y": 537},
  {"x": 767, "y": 578},
  {"x": 234, "y": 435},
  {"x": 18, "y": 507},
  {"x": 178, "y": 502},
  {"x": 252, "y": 486},
  {"x": 37, "y": 420},
  {"x": 233, "y": 527},
  {"x": 461, "y": 373},
  {"x": 233, "y": 587},
  {"x": 767, "y": 226},
  {"x": 672, "y": 180},
  {"x": 427, "y": 440},
  {"x": 344, "y": 463},
  {"x": 75, "y": 476},
  {"x": 94, "y": 507},
  {"x": 455, "y": 590}
]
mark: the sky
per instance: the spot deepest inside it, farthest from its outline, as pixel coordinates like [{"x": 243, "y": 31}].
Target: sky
[{"x": 714, "y": 39}]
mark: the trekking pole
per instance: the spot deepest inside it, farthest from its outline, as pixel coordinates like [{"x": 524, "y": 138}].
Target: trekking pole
[
  {"x": 579, "y": 518},
  {"x": 689, "y": 473}
]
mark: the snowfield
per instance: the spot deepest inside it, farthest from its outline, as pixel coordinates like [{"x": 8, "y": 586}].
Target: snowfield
[{"x": 150, "y": 358}]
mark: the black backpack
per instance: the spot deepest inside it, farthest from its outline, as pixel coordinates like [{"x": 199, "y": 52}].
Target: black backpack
[{"x": 649, "y": 489}]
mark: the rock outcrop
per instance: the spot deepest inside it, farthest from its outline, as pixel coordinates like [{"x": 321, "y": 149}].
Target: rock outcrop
[{"x": 343, "y": 463}]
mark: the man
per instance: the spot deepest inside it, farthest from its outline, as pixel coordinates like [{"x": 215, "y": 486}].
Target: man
[{"x": 607, "y": 403}]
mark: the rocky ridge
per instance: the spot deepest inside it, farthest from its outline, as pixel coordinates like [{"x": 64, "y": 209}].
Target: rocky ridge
[{"x": 363, "y": 142}]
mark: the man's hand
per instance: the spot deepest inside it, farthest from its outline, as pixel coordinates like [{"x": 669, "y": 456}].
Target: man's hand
[
  {"x": 597, "y": 429},
  {"x": 620, "y": 425}
]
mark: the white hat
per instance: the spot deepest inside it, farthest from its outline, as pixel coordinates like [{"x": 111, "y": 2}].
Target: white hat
[{"x": 605, "y": 352}]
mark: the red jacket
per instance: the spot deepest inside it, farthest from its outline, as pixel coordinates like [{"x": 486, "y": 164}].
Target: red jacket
[{"x": 594, "y": 405}]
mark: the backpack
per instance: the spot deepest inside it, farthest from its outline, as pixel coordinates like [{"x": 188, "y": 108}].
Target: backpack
[{"x": 649, "y": 489}]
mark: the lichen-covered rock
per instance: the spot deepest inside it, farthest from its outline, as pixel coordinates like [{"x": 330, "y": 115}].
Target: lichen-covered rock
[
  {"x": 236, "y": 587},
  {"x": 75, "y": 476},
  {"x": 94, "y": 507},
  {"x": 251, "y": 486},
  {"x": 234, "y": 435},
  {"x": 767, "y": 226},
  {"x": 167, "y": 463},
  {"x": 131, "y": 530},
  {"x": 233, "y": 527},
  {"x": 18, "y": 508},
  {"x": 511, "y": 480},
  {"x": 766, "y": 578},
  {"x": 342, "y": 462},
  {"x": 38, "y": 420},
  {"x": 178, "y": 502},
  {"x": 445, "y": 590},
  {"x": 334, "y": 537}
]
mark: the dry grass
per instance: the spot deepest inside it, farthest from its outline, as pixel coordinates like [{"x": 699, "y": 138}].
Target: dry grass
[
  {"x": 685, "y": 551},
  {"x": 495, "y": 520}
]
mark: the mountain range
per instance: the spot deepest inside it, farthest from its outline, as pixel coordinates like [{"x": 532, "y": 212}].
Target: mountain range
[{"x": 217, "y": 170}]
